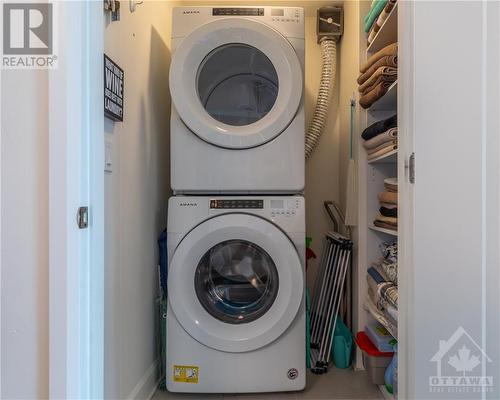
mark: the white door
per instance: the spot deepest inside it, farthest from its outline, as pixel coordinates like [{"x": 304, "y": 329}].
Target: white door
[
  {"x": 450, "y": 249},
  {"x": 240, "y": 272},
  {"x": 236, "y": 83}
]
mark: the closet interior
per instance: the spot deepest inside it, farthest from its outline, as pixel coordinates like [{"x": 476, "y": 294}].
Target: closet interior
[{"x": 364, "y": 102}]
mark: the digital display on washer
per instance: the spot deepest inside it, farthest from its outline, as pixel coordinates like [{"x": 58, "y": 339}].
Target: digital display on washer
[
  {"x": 257, "y": 12},
  {"x": 236, "y": 204}
]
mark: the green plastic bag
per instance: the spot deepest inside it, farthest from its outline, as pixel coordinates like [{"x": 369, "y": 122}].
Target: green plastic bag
[{"x": 342, "y": 345}]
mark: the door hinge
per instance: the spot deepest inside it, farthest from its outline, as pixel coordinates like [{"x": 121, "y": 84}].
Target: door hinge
[
  {"x": 82, "y": 217},
  {"x": 113, "y": 7},
  {"x": 411, "y": 169}
]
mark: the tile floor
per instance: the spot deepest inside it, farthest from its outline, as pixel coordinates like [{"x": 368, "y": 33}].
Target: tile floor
[{"x": 336, "y": 384}]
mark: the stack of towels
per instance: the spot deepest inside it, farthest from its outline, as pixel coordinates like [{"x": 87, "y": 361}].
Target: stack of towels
[
  {"x": 382, "y": 278},
  {"x": 378, "y": 74},
  {"x": 381, "y": 137},
  {"x": 376, "y": 17},
  {"x": 387, "y": 216}
]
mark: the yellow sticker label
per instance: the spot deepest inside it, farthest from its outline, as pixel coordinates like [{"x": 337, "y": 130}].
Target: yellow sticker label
[{"x": 185, "y": 374}]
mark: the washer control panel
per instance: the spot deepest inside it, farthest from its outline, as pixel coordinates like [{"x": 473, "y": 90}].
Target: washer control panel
[
  {"x": 284, "y": 208},
  {"x": 285, "y": 15},
  {"x": 274, "y": 207},
  {"x": 241, "y": 204}
]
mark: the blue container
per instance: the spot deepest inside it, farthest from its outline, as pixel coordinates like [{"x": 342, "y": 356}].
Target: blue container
[{"x": 380, "y": 337}]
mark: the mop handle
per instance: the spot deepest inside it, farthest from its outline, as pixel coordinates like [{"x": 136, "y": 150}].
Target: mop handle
[{"x": 351, "y": 127}]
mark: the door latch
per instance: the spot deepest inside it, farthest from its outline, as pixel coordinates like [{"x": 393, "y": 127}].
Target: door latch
[
  {"x": 82, "y": 218},
  {"x": 411, "y": 171}
]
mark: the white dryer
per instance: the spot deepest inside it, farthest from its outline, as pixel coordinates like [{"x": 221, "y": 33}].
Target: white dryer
[
  {"x": 236, "y": 291},
  {"x": 236, "y": 81}
]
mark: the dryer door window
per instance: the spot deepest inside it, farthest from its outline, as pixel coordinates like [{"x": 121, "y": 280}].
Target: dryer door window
[
  {"x": 237, "y": 84},
  {"x": 236, "y": 281}
]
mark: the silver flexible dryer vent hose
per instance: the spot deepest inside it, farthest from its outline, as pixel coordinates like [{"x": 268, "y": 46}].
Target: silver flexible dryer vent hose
[{"x": 327, "y": 83}]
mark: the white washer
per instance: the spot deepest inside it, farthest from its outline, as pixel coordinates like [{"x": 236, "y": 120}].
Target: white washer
[
  {"x": 236, "y": 284},
  {"x": 236, "y": 81}
]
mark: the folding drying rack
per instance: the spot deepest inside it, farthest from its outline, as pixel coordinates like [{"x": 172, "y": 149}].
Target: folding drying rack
[{"x": 329, "y": 290}]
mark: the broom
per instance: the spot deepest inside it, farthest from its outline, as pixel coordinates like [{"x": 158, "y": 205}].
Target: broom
[{"x": 351, "y": 198}]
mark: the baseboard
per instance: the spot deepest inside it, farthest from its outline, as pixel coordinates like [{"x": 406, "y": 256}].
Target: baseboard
[{"x": 146, "y": 387}]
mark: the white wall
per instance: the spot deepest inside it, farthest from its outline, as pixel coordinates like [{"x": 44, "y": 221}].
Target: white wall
[
  {"x": 136, "y": 196},
  {"x": 322, "y": 169},
  {"x": 24, "y": 234}
]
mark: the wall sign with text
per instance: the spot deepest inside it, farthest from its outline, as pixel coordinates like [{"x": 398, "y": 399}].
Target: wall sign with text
[{"x": 113, "y": 90}]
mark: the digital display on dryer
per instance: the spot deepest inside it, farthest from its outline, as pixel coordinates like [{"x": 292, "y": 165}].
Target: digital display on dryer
[
  {"x": 256, "y": 12},
  {"x": 236, "y": 204}
]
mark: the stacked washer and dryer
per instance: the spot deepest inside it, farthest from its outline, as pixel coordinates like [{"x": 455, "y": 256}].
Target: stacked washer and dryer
[{"x": 236, "y": 225}]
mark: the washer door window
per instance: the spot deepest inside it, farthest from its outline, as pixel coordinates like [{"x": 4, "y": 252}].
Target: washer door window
[
  {"x": 236, "y": 83},
  {"x": 235, "y": 282}
]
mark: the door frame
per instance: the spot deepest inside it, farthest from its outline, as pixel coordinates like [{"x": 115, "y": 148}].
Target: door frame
[{"x": 76, "y": 178}]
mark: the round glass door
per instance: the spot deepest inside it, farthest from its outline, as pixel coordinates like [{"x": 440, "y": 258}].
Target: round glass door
[
  {"x": 236, "y": 281},
  {"x": 237, "y": 84}
]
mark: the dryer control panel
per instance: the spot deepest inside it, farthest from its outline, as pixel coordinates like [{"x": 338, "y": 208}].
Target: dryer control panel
[
  {"x": 243, "y": 11},
  {"x": 288, "y": 21}
]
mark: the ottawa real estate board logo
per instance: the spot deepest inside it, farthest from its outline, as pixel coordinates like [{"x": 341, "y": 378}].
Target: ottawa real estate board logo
[
  {"x": 460, "y": 366},
  {"x": 28, "y": 36}
]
